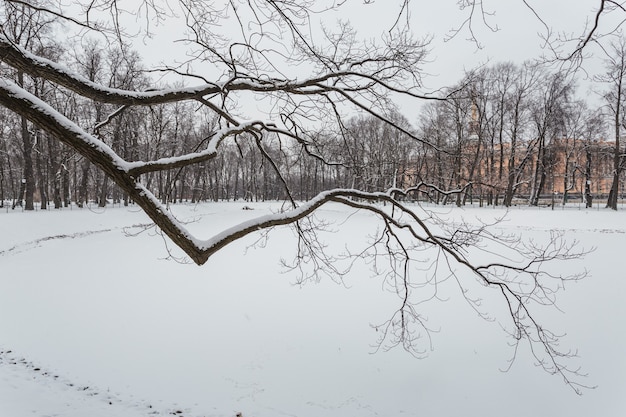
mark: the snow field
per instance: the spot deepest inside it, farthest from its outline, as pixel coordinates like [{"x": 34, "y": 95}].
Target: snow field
[{"x": 99, "y": 306}]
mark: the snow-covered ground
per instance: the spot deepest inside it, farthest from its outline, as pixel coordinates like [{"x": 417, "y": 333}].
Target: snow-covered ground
[{"x": 95, "y": 321}]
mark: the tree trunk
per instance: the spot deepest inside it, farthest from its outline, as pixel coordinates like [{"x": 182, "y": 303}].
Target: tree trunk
[
  {"x": 614, "y": 193},
  {"x": 43, "y": 184},
  {"x": 84, "y": 183},
  {"x": 1, "y": 185},
  {"x": 56, "y": 193},
  {"x": 28, "y": 178},
  {"x": 588, "y": 196},
  {"x": 102, "y": 200},
  {"x": 537, "y": 176},
  {"x": 66, "y": 187}
]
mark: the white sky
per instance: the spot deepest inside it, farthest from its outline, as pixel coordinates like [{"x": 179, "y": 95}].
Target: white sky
[
  {"x": 518, "y": 36},
  {"x": 516, "y": 39}
]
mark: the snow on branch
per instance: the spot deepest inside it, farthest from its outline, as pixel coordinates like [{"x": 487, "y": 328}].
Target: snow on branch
[
  {"x": 137, "y": 168},
  {"x": 22, "y": 60},
  {"x": 41, "y": 113}
]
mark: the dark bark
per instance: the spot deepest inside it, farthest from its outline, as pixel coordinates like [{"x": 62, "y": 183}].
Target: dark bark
[
  {"x": 42, "y": 182},
  {"x": 83, "y": 195},
  {"x": 588, "y": 196}
]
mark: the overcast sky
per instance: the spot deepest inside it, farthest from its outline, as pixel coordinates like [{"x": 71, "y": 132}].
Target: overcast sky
[
  {"x": 518, "y": 36},
  {"x": 516, "y": 39}
]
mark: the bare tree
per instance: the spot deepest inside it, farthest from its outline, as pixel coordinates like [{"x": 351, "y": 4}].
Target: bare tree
[
  {"x": 306, "y": 78},
  {"x": 522, "y": 86},
  {"x": 603, "y": 23},
  {"x": 28, "y": 28},
  {"x": 548, "y": 119},
  {"x": 615, "y": 97},
  {"x": 582, "y": 128}
]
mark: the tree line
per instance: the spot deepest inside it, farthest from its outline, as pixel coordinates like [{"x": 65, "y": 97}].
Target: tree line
[{"x": 504, "y": 131}]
